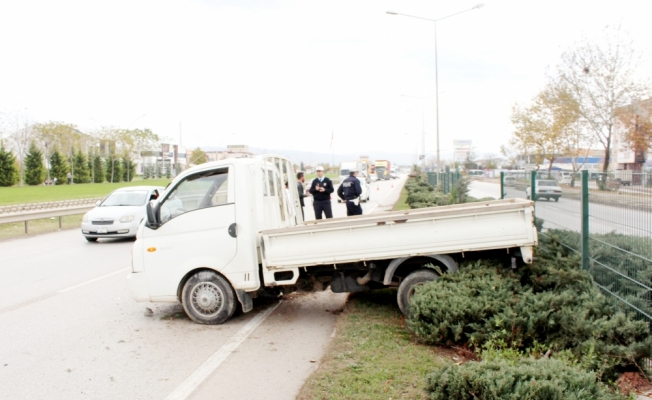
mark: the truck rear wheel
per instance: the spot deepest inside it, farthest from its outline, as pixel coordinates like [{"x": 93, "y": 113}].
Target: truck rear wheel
[
  {"x": 406, "y": 288},
  {"x": 208, "y": 298}
]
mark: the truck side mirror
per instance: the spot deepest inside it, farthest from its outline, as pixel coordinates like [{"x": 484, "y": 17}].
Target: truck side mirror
[{"x": 152, "y": 220}]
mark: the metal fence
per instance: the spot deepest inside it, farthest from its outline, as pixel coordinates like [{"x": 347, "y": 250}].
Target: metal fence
[
  {"x": 606, "y": 218},
  {"x": 447, "y": 179}
]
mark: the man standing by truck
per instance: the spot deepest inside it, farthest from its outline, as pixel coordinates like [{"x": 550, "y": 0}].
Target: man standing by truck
[
  {"x": 321, "y": 189},
  {"x": 302, "y": 193},
  {"x": 350, "y": 192}
]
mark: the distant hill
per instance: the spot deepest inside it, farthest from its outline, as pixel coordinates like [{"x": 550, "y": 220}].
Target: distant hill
[{"x": 311, "y": 158}]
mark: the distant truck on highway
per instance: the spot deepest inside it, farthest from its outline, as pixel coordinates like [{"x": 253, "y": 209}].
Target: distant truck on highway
[
  {"x": 228, "y": 231},
  {"x": 624, "y": 176},
  {"x": 348, "y": 166},
  {"x": 383, "y": 169}
]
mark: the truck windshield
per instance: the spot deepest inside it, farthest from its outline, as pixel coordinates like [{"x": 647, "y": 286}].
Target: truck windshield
[
  {"x": 344, "y": 172},
  {"x": 196, "y": 192}
]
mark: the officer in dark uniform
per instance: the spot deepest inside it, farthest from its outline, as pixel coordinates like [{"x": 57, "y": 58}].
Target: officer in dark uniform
[
  {"x": 350, "y": 192},
  {"x": 321, "y": 189}
]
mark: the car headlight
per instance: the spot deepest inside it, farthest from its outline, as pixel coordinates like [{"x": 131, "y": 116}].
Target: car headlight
[
  {"x": 85, "y": 219},
  {"x": 127, "y": 218}
]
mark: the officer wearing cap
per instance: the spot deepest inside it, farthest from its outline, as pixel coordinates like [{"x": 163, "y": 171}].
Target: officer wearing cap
[
  {"x": 350, "y": 192},
  {"x": 321, "y": 189}
]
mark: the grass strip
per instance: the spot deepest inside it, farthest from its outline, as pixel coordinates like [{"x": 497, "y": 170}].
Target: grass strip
[
  {"x": 401, "y": 203},
  {"x": 38, "y": 194},
  {"x": 37, "y": 226},
  {"x": 372, "y": 355}
]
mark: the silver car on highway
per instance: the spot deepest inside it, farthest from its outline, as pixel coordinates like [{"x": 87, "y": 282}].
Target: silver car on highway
[{"x": 119, "y": 214}]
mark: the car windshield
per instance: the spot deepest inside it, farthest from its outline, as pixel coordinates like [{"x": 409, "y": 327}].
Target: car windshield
[
  {"x": 547, "y": 183},
  {"x": 126, "y": 198}
]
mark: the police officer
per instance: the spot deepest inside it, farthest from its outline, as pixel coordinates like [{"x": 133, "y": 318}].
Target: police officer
[
  {"x": 350, "y": 192},
  {"x": 321, "y": 189}
]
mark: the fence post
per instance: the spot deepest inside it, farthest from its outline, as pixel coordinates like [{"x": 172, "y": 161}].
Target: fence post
[
  {"x": 585, "y": 220},
  {"x": 533, "y": 187},
  {"x": 502, "y": 185}
]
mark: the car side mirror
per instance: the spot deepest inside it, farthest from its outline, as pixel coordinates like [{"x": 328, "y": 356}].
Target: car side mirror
[{"x": 152, "y": 220}]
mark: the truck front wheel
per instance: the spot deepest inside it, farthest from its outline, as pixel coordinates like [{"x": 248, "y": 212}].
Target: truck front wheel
[
  {"x": 208, "y": 298},
  {"x": 406, "y": 288}
]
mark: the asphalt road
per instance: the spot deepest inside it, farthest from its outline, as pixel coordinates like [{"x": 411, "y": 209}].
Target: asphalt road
[
  {"x": 566, "y": 214},
  {"x": 69, "y": 330}
]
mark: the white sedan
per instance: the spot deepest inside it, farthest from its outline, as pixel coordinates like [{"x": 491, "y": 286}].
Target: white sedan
[
  {"x": 548, "y": 189},
  {"x": 119, "y": 214}
]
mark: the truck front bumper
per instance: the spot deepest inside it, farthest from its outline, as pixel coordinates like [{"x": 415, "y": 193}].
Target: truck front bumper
[{"x": 137, "y": 286}]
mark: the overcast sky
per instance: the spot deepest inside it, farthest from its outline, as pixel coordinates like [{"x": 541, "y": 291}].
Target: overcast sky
[{"x": 285, "y": 74}]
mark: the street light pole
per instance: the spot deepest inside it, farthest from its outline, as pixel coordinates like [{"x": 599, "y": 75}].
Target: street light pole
[{"x": 436, "y": 69}]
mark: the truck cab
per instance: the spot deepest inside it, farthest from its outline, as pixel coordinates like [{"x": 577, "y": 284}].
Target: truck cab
[{"x": 207, "y": 222}]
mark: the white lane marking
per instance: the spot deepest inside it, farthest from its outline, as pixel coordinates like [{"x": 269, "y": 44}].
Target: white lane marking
[
  {"x": 46, "y": 296},
  {"x": 69, "y": 288},
  {"x": 29, "y": 254},
  {"x": 193, "y": 381}
]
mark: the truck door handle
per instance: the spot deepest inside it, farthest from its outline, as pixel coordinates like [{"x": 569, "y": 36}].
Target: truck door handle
[{"x": 233, "y": 230}]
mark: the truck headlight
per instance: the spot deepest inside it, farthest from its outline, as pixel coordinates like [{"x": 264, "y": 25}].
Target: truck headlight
[{"x": 127, "y": 218}]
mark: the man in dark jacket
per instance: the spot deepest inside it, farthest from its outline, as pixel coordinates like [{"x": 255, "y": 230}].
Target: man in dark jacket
[
  {"x": 321, "y": 189},
  {"x": 350, "y": 191},
  {"x": 302, "y": 193}
]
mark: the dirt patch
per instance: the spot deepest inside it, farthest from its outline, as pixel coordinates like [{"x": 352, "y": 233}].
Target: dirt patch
[{"x": 633, "y": 382}]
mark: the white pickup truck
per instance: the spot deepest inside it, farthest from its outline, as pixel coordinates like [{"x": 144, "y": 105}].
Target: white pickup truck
[{"x": 225, "y": 232}]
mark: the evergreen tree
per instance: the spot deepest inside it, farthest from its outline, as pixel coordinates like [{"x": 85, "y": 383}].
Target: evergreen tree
[
  {"x": 8, "y": 171},
  {"x": 80, "y": 173},
  {"x": 128, "y": 169},
  {"x": 59, "y": 167},
  {"x": 98, "y": 165},
  {"x": 90, "y": 168},
  {"x": 168, "y": 171},
  {"x": 34, "y": 168},
  {"x": 113, "y": 169}
]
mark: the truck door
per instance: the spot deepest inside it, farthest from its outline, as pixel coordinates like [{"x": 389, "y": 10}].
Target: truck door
[{"x": 197, "y": 230}]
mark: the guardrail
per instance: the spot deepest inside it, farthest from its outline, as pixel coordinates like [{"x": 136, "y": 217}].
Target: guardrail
[
  {"x": 29, "y": 212},
  {"x": 32, "y": 215}
]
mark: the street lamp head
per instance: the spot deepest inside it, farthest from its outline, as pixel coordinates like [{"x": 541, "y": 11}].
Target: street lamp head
[
  {"x": 477, "y": 6},
  {"x": 392, "y": 13}
]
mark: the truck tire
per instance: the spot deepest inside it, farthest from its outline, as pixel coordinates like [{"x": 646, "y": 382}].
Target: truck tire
[
  {"x": 208, "y": 298},
  {"x": 406, "y": 288}
]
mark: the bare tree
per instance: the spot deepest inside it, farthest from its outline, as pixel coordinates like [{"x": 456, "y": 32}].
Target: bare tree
[
  {"x": 601, "y": 77},
  {"x": 546, "y": 127},
  {"x": 20, "y": 132}
]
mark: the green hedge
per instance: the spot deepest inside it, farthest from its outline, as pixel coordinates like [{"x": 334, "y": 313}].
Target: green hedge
[
  {"x": 551, "y": 303},
  {"x": 544, "y": 379}
]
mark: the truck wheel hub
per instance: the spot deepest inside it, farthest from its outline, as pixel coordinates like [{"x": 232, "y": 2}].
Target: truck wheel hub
[{"x": 207, "y": 298}]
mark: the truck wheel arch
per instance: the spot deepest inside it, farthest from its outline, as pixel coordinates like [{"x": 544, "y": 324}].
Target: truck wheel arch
[
  {"x": 245, "y": 299},
  {"x": 445, "y": 259}
]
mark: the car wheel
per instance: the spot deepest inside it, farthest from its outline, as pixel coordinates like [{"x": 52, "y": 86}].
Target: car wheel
[
  {"x": 556, "y": 199},
  {"x": 90, "y": 239},
  {"x": 406, "y": 289},
  {"x": 208, "y": 298}
]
